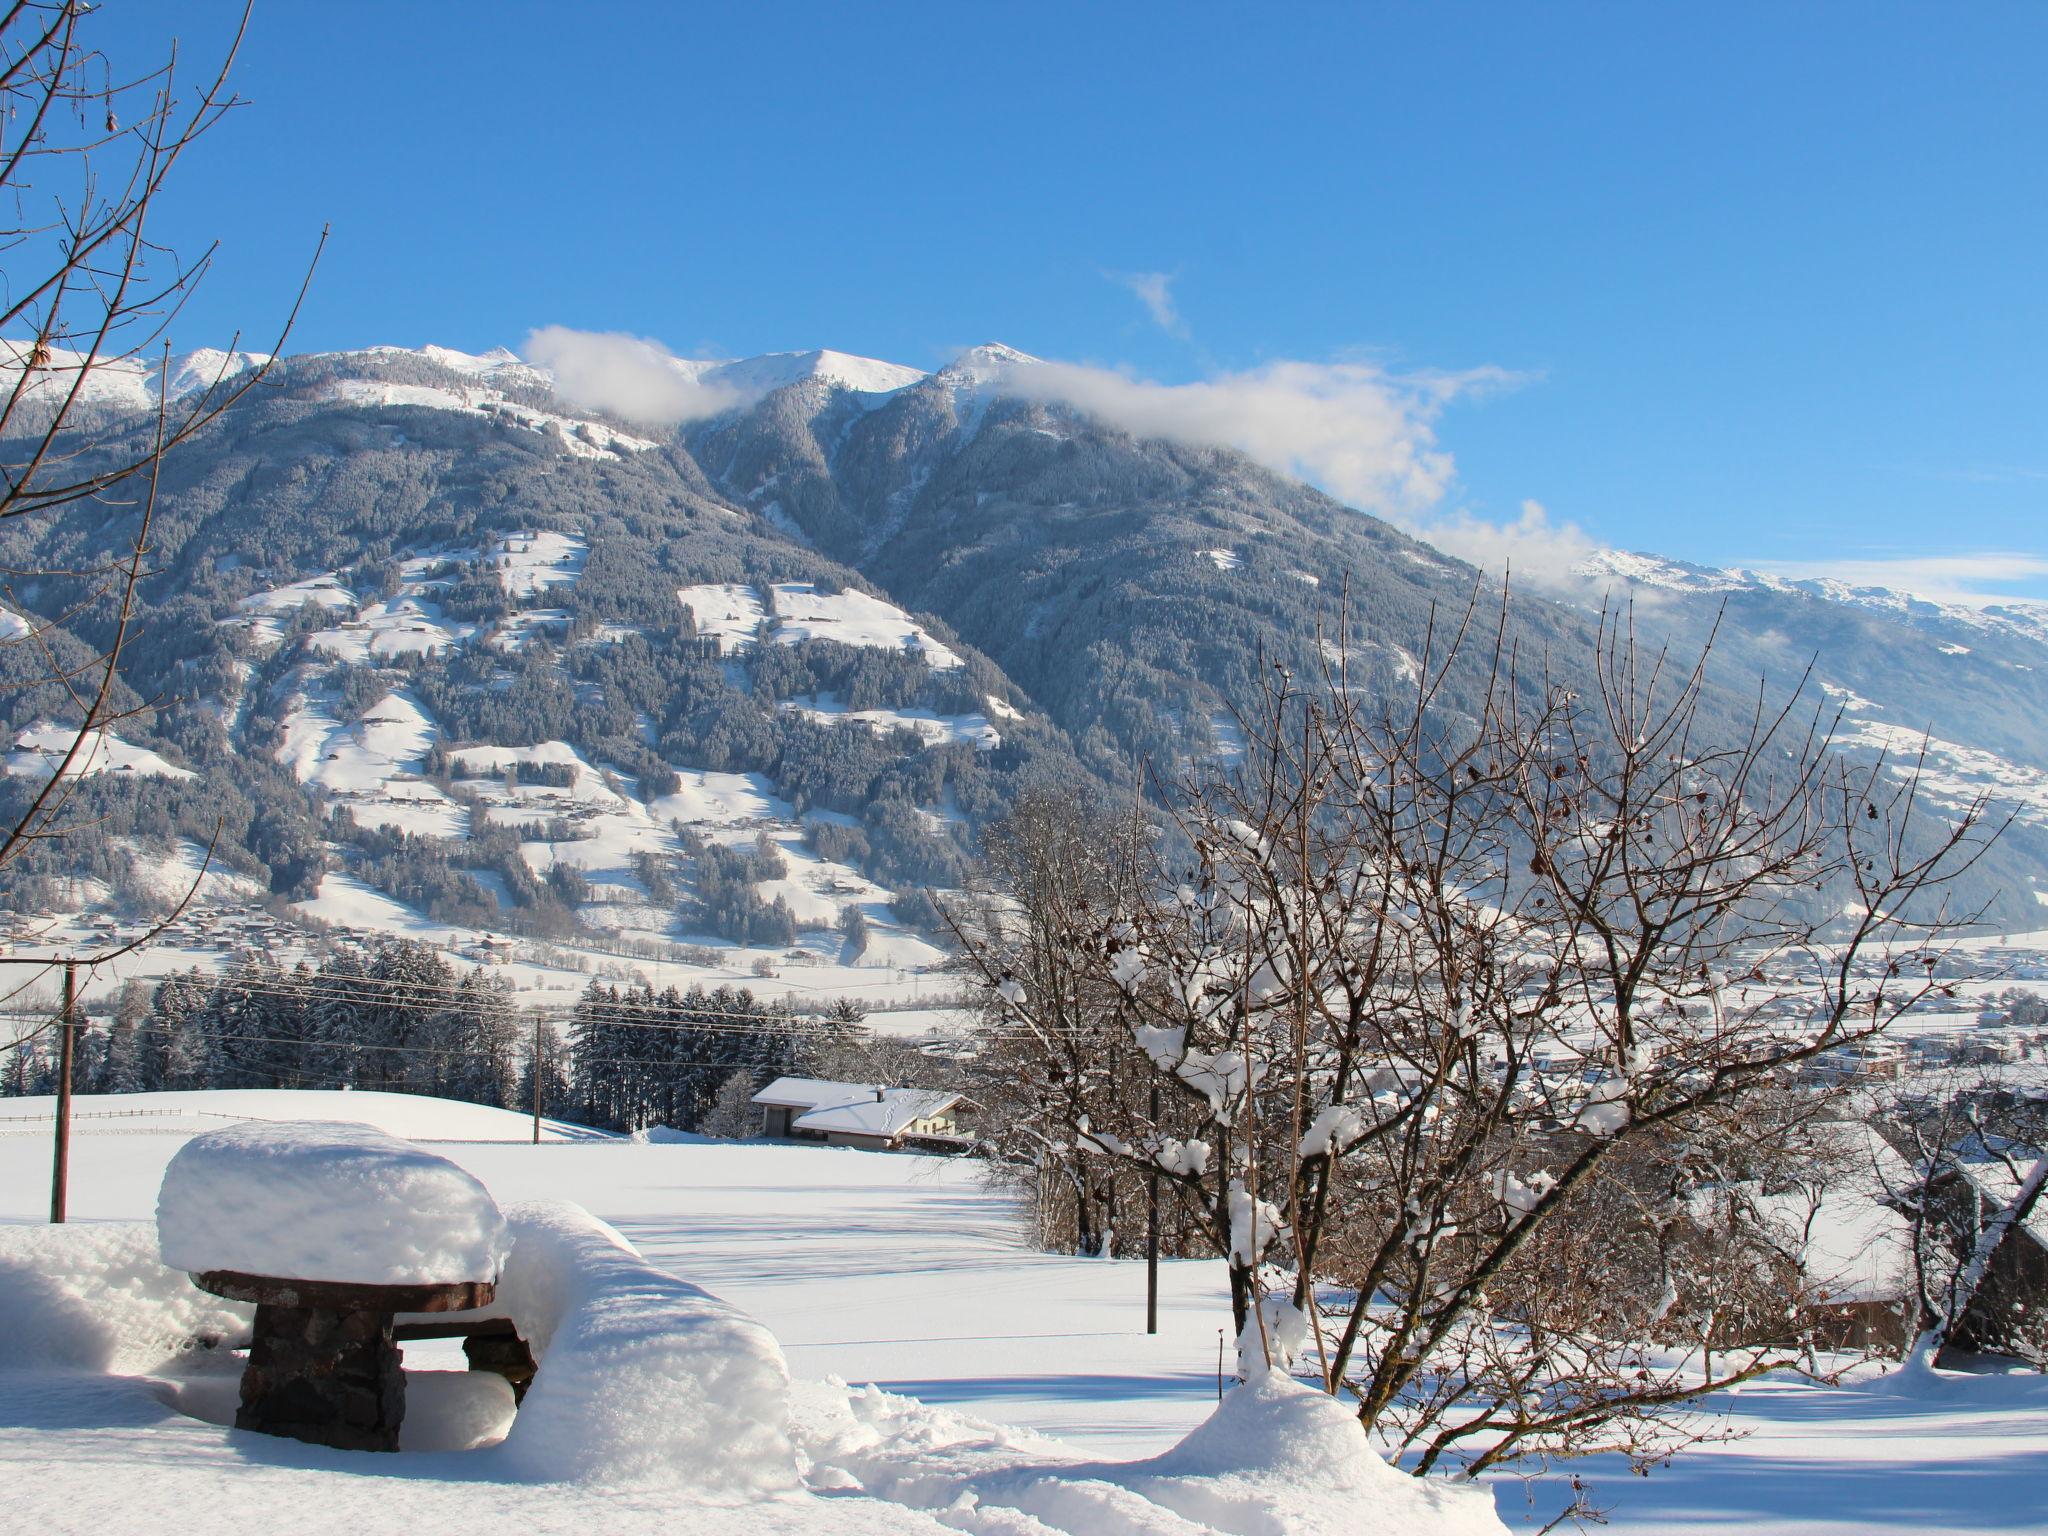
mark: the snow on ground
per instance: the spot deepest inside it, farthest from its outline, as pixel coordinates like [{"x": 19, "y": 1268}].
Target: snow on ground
[
  {"x": 529, "y": 563},
  {"x": 931, "y": 728},
  {"x": 171, "y": 876},
  {"x": 910, "y": 1274},
  {"x": 802, "y": 612},
  {"x": 346, "y": 902},
  {"x": 1225, "y": 559},
  {"x": 39, "y": 749},
  {"x": 607, "y": 825},
  {"x": 1229, "y": 738},
  {"x": 657, "y": 1405},
  {"x": 264, "y": 613},
  {"x": 1951, "y": 774},
  {"x": 521, "y": 629},
  {"x": 192, "y": 1111},
  {"x": 372, "y": 765},
  {"x": 725, "y": 611},
  {"x": 907, "y": 1273},
  {"x": 922, "y": 1023},
  {"x": 127, "y": 381},
  {"x": 720, "y": 797},
  {"x": 405, "y": 625},
  {"x": 892, "y": 946},
  {"x": 755, "y": 376},
  {"x": 570, "y": 435}
]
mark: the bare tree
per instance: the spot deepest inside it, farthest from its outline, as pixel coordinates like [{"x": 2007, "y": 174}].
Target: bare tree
[
  {"x": 1436, "y": 993},
  {"x": 87, "y": 151}
]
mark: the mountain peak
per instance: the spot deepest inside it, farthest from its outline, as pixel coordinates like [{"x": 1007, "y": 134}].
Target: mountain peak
[
  {"x": 773, "y": 370},
  {"x": 989, "y": 356}
]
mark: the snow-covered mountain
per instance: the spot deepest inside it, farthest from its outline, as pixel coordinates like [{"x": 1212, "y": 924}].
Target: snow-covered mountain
[
  {"x": 446, "y": 653},
  {"x": 1654, "y": 573}
]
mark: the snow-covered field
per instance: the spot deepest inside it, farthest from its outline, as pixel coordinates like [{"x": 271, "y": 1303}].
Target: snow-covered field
[
  {"x": 802, "y": 612},
  {"x": 907, "y": 1273}
]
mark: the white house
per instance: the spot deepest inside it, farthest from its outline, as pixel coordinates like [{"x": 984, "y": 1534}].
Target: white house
[{"x": 856, "y": 1114}]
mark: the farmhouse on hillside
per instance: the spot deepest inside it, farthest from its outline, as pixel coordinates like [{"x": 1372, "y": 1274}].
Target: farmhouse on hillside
[{"x": 865, "y": 1115}]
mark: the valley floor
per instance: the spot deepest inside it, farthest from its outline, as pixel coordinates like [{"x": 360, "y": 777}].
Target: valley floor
[{"x": 909, "y": 1273}]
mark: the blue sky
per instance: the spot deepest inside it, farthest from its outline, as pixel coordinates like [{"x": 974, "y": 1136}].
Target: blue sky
[{"x": 1741, "y": 283}]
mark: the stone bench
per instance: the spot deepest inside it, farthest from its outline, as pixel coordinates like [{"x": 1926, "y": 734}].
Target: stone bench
[{"x": 334, "y": 1230}]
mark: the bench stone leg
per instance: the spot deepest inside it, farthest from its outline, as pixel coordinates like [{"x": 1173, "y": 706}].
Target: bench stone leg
[
  {"x": 504, "y": 1354},
  {"x": 324, "y": 1377}
]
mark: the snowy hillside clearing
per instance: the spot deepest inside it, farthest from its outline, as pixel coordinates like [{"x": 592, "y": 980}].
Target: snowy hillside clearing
[
  {"x": 1951, "y": 775},
  {"x": 802, "y": 612},
  {"x": 930, "y": 727},
  {"x": 571, "y": 435},
  {"x": 372, "y": 765},
  {"x": 40, "y": 748},
  {"x": 727, "y": 612},
  {"x": 264, "y": 613},
  {"x": 529, "y": 563}
]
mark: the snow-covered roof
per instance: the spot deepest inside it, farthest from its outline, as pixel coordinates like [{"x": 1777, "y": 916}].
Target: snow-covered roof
[
  {"x": 1852, "y": 1244},
  {"x": 895, "y": 1112},
  {"x": 811, "y": 1092},
  {"x": 863, "y": 1109}
]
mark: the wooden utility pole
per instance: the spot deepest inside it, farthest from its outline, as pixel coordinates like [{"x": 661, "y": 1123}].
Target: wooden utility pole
[
  {"x": 67, "y": 1042},
  {"x": 1152, "y": 1225}
]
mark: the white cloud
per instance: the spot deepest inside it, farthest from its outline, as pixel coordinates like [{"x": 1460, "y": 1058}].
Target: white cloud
[
  {"x": 1155, "y": 292},
  {"x": 627, "y": 376},
  {"x": 1361, "y": 432},
  {"x": 1532, "y": 547},
  {"x": 1967, "y": 579}
]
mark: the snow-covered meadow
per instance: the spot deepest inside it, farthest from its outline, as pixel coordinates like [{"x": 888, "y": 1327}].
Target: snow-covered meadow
[{"x": 915, "y": 1322}]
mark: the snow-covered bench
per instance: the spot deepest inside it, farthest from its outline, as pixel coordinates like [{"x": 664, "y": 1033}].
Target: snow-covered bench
[{"x": 332, "y": 1230}]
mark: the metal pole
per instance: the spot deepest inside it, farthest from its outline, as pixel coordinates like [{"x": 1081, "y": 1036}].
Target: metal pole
[
  {"x": 536, "y": 1079},
  {"x": 67, "y": 1030},
  {"x": 1152, "y": 1227}
]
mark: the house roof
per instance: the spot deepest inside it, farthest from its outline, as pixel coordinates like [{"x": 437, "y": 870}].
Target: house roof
[
  {"x": 889, "y": 1116},
  {"x": 859, "y": 1109},
  {"x": 811, "y": 1092}
]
